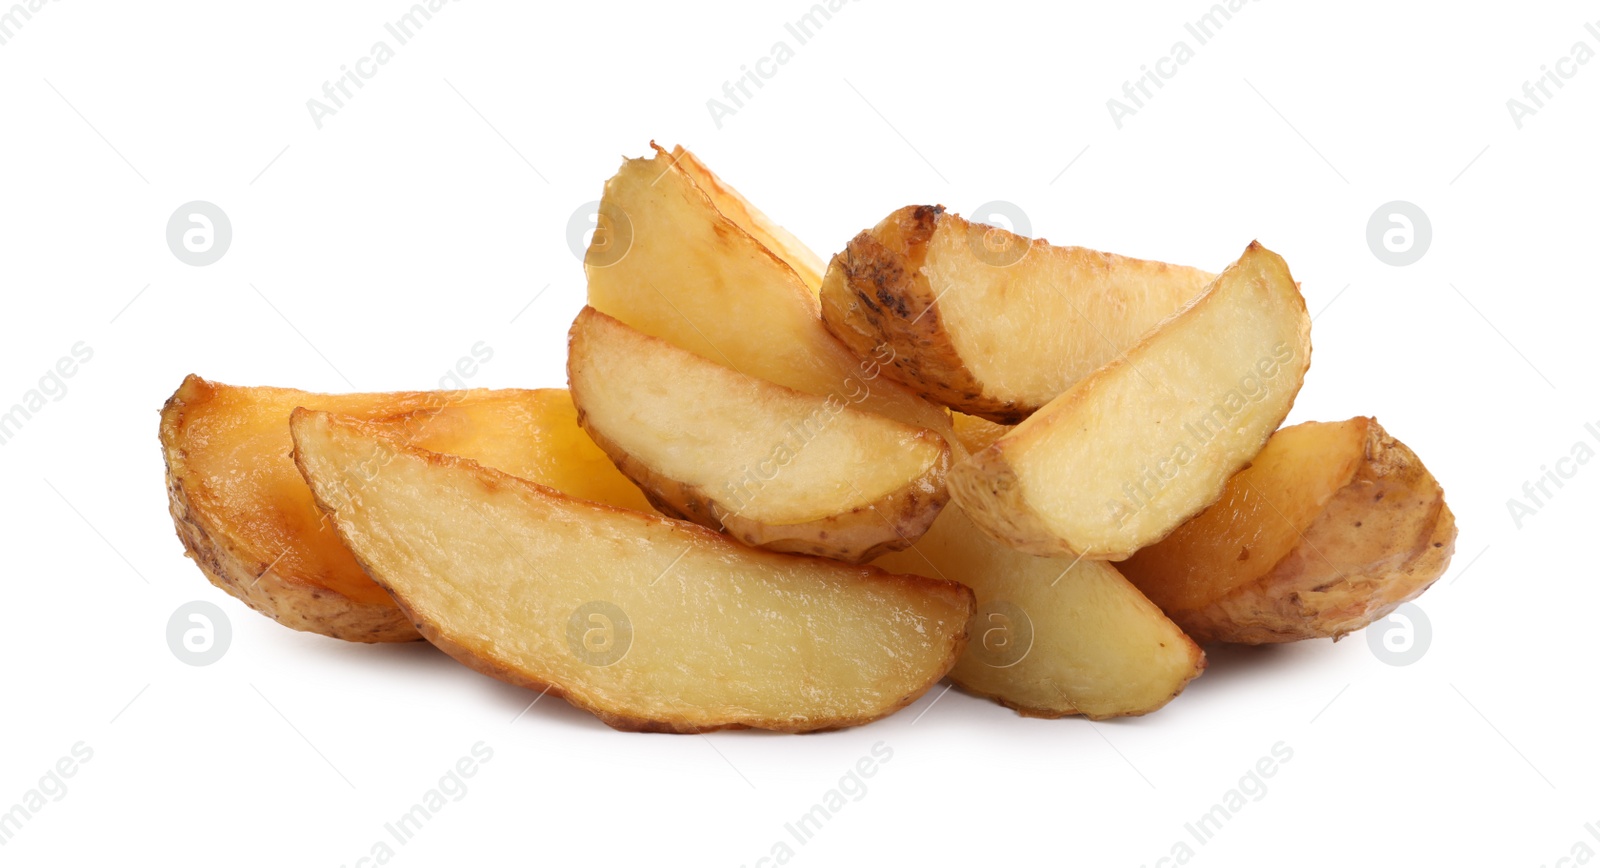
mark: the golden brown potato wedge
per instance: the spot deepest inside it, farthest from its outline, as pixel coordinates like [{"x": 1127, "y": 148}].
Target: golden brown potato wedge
[
  {"x": 647, "y": 622},
  {"x": 807, "y": 265},
  {"x": 1146, "y": 442},
  {"x": 1053, "y": 636},
  {"x": 1331, "y": 527},
  {"x": 247, "y": 519},
  {"x": 691, "y": 275},
  {"x": 770, "y": 466},
  {"x": 988, "y": 322}
]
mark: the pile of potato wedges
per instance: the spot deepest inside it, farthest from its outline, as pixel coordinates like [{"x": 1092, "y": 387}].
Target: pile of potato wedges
[{"x": 794, "y": 495}]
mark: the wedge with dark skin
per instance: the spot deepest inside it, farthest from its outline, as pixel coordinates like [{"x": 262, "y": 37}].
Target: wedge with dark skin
[
  {"x": 771, "y": 466},
  {"x": 988, "y": 322},
  {"x": 647, "y": 622},
  {"x": 1332, "y": 526}
]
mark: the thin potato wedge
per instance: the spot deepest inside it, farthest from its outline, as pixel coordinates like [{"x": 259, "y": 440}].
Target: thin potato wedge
[
  {"x": 247, "y": 520},
  {"x": 676, "y": 267},
  {"x": 1146, "y": 442},
  {"x": 988, "y": 322},
  {"x": 770, "y": 466},
  {"x": 1331, "y": 527},
  {"x": 807, "y": 264},
  {"x": 1053, "y": 636},
  {"x": 649, "y": 623}
]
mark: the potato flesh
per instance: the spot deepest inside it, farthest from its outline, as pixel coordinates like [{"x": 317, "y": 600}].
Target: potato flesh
[
  {"x": 493, "y": 568},
  {"x": 693, "y": 277},
  {"x": 807, "y": 264},
  {"x": 1138, "y": 447},
  {"x": 1096, "y": 646},
  {"x": 759, "y": 450},
  {"x": 232, "y": 445},
  {"x": 1029, "y": 330},
  {"x": 1261, "y": 516}
]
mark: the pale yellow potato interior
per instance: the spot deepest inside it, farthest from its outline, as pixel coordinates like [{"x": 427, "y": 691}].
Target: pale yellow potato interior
[
  {"x": 1159, "y": 435},
  {"x": 720, "y": 633},
  {"x": 807, "y": 265},
  {"x": 694, "y": 277},
  {"x": 1028, "y": 330},
  {"x": 760, "y": 450},
  {"x": 1094, "y": 644}
]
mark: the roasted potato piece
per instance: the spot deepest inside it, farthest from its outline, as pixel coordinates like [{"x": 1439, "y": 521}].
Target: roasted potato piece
[
  {"x": 691, "y": 275},
  {"x": 1053, "y": 636},
  {"x": 1331, "y": 527},
  {"x": 988, "y": 322},
  {"x": 1146, "y": 442},
  {"x": 649, "y": 623},
  {"x": 807, "y": 265},
  {"x": 247, "y": 519},
  {"x": 773, "y": 467}
]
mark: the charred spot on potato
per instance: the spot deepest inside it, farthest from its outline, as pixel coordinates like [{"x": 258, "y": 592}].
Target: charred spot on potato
[{"x": 893, "y": 302}]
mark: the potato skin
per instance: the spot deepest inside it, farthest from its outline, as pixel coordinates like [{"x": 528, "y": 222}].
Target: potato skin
[
  {"x": 297, "y": 605},
  {"x": 1382, "y": 540},
  {"x": 873, "y": 296}
]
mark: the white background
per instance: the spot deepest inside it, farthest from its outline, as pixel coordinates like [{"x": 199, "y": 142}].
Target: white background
[{"x": 432, "y": 210}]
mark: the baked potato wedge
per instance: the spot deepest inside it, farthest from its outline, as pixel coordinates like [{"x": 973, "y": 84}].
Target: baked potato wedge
[
  {"x": 988, "y": 322},
  {"x": 1053, "y": 636},
  {"x": 697, "y": 278},
  {"x": 647, "y": 622},
  {"x": 772, "y": 467},
  {"x": 247, "y": 520},
  {"x": 729, "y": 203},
  {"x": 1330, "y": 528},
  {"x": 1143, "y": 444}
]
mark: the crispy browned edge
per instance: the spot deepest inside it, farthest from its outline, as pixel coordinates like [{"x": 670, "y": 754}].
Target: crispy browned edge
[
  {"x": 987, "y": 486},
  {"x": 875, "y": 295},
  {"x": 494, "y": 479},
  {"x": 295, "y": 604},
  {"x": 888, "y": 524},
  {"x": 800, "y": 259},
  {"x": 1411, "y": 551}
]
